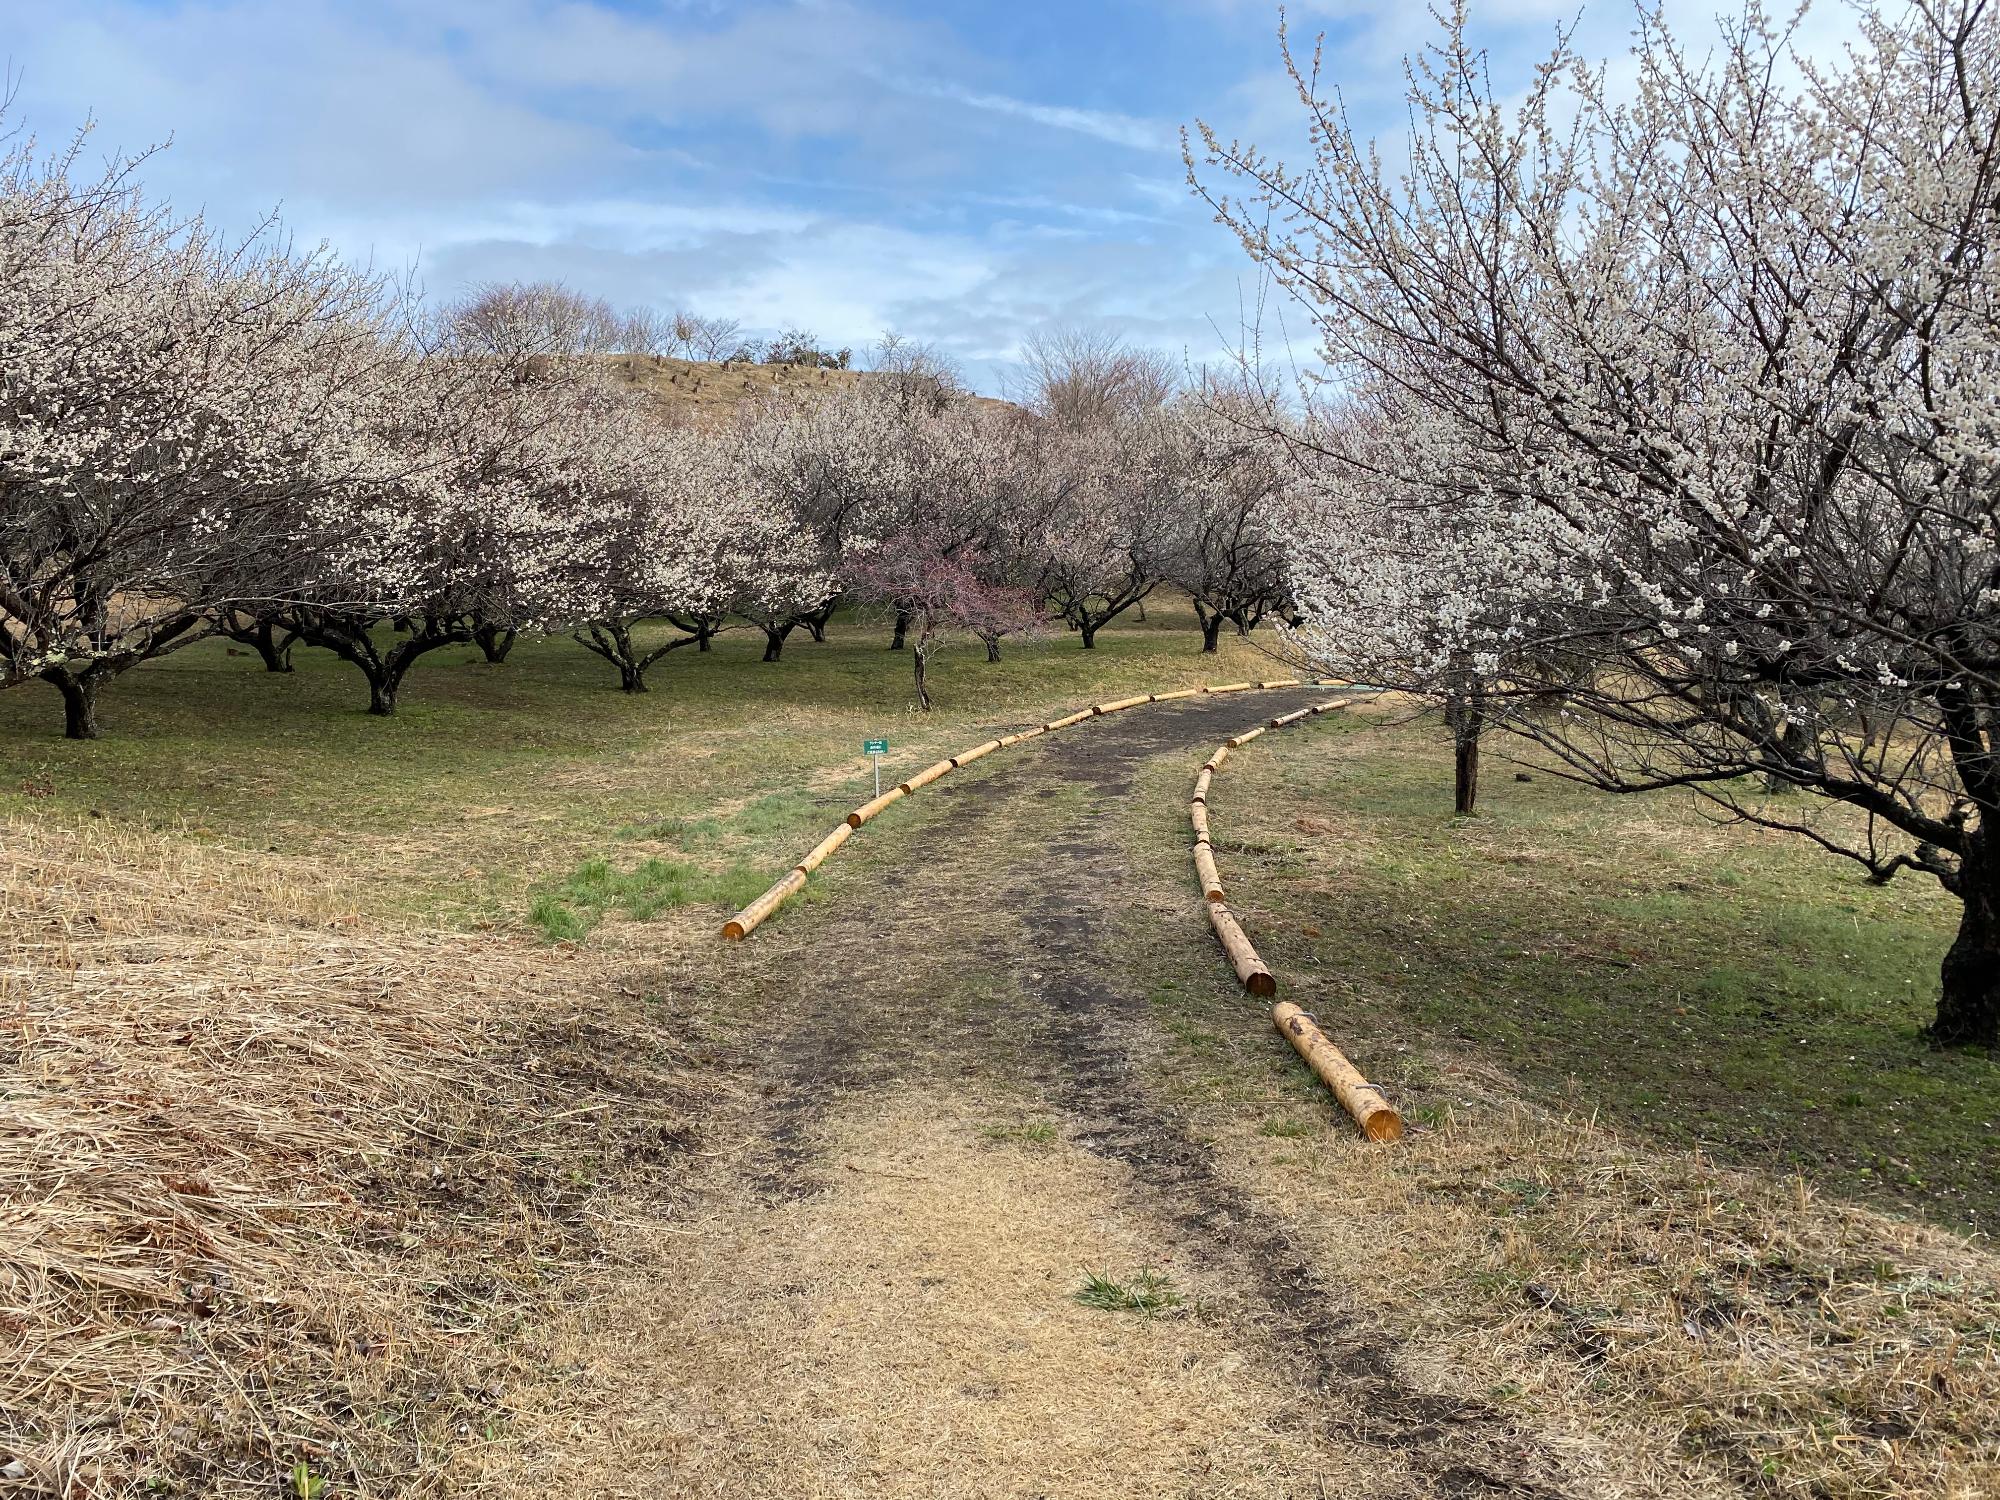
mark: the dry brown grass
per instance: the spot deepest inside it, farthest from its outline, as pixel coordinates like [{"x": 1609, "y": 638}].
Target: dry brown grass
[
  {"x": 1721, "y": 1331},
  {"x": 911, "y": 1329},
  {"x": 275, "y": 1184}
]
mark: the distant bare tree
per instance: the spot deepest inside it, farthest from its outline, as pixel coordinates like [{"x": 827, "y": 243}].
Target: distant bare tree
[
  {"x": 707, "y": 338},
  {"x": 920, "y": 374},
  {"x": 644, "y": 331},
  {"x": 520, "y": 319},
  {"x": 1090, "y": 377}
]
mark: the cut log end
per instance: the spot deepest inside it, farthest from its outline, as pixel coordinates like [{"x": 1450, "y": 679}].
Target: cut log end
[
  {"x": 1383, "y": 1124},
  {"x": 734, "y": 930},
  {"x": 1377, "y": 1117},
  {"x": 1260, "y": 982}
]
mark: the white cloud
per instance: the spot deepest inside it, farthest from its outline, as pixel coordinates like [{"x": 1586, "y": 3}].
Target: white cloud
[{"x": 1103, "y": 125}]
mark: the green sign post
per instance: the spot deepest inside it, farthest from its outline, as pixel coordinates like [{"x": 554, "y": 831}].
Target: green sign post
[{"x": 875, "y": 750}]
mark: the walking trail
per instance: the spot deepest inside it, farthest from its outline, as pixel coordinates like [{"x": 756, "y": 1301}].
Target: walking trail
[{"x": 942, "y": 1123}]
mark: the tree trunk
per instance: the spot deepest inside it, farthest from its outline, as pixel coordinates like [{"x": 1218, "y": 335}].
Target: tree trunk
[
  {"x": 496, "y": 641},
  {"x": 1211, "y": 633},
  {"x": 79, "y": 696},
  {"x": 1968, "y": 1009},
  {"x": 1089, "y": 635},
  {"x": 816, "y": 621},
  {"x": 261, "y": 636},
  {"x": 632, "y": 678},
  {"x": 897, "y": 641},
  {"x": 774, "y": 639},
  {"x": 920, "y": 658},
  {"x": 276, "y": 654},
  {"x": 1465, "y": 775},
  {"x": 382, "y": 685},
  {"x": 992, "y": 647},
  {"x": 1467, "y": 717}
]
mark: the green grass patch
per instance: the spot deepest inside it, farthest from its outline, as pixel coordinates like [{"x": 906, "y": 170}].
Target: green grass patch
[
  {"x": 569, "y": 911},
  {"x": 1145, "y": 1291},
  {"x": 1026, "y": 1133}
]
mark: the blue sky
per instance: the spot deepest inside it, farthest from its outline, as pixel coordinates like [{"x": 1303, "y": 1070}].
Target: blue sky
[{"x": 962, "y": 173}]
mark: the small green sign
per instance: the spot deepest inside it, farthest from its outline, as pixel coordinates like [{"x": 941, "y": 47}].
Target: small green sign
[{"x": 875, "y": 747}]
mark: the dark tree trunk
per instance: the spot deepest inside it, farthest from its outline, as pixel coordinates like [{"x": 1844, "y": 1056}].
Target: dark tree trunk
[
  {"x": 277, "y": 654},
  {"x": 347, "y": 637},
  {"x": 920, "y": 658},
  {"x": 1467, "y": 718},
  {"x": 612, "y": 640},
  {"x": 79, "y": 696},
  {"x": 774, "y": 639},
  {"x": 496, "y": 641},
  {"x": 262, "y": 637},
  {"x": 1142, "y": 611},
  {"x": 992, "y": 647},
  {"x": 816, "y": 621},
  {"x": 1968, "y": 1009},
  {"x": 898, "y": 641},
  {"x": 1211, "y": 633},
  {"x": 1089, "y": 630}
]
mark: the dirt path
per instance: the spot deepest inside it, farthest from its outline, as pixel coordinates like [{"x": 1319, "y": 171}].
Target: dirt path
[{"x": 952, "y": 1129}]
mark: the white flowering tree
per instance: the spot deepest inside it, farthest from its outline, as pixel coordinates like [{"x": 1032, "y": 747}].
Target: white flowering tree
[
  {"x": 1722, "y": 363},
  {"x": 1222, "y": 546},
  {"x": 1096, "y": 530},
  {"x": 495, "y": 479},
  {"x": 165, "y": 398}
]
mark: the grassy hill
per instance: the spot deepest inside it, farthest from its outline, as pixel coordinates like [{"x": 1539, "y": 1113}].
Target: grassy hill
[{"x": 714, "y": 389}]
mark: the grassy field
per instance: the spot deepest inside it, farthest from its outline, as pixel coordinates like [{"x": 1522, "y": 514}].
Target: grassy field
[
  {"x": 418, "y": 1032},
  {"x": 495, "y": 786},
  {"x": 1718, "y": 987}
]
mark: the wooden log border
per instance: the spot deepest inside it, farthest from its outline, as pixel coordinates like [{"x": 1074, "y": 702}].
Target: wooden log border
[
  {"x": 745, "y": 921},
  {"x": 1376, "y": 1116}
]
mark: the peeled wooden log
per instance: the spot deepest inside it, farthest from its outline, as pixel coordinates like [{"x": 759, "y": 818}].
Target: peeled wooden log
[
  {"x": 927, "y": 775},
  {"x": 739, "y": 926},
  {"x": 1280, "y": 682},
  {"x": 1206, "y": 873},
  {"x": 1201, "y": 784},
  {"x": 1237, "y": 741},
  {"x": 1284, "y": 721},
  {"x": 1376, "y": 1116},
  {"x": 1181, "y": 693},
  {"x": 1198, "y": 815},
  {"x": 1075, "y": 718},
  {"x": 1121, "y": 703},
  {"x": 1214, "y": 762},
  {"x": 1330, "y": 705},
  {"x": 1230, "y": 687},
  {"x": 967, "y": 757},
  {"x": 868, "y": 810},
  {"x": 825, "y": 847},
  {"x": 1257, "y": 979}
]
